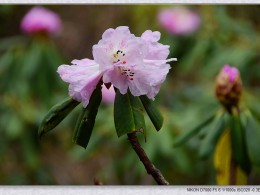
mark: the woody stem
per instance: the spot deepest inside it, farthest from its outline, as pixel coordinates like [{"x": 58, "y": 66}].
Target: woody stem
[{"x": 150, "y": 168}]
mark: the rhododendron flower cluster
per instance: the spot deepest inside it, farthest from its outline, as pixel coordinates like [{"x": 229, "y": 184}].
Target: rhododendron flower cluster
[
  {"x": 122, "y": 59},
  {"x": 179, "y": 20},
  {"x": 40, "y": 19},
  {"x": 228, "y": 86}
]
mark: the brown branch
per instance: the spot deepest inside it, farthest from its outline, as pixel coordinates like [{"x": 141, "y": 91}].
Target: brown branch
[{"x": 150, "y": 168}]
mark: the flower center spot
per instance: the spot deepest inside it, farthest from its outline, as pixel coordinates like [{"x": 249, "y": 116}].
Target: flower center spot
[
  {"x": 127, "y": 72},
  {"x": 118, "y": 57},
  {"x": 118, "y": 60}
]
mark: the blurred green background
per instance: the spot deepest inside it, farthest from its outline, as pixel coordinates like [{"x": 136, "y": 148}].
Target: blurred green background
[{"x": 29, "y": 86}]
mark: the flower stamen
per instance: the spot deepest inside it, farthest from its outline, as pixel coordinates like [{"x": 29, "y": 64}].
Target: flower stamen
[
  {"x": 117, "y": 57},
  {"x": 127, "y": 72}
]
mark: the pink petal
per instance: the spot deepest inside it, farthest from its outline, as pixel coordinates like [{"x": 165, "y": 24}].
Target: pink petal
[
  {"x": 108, "y": 33},
  {"x": 115, "y": 77},
  {"x": 156, "y": 51},
  {"x": 136, "y": 51},
  {"x": 150, "y": 36},
  {"x": 148, "y": 79},
  {"x": 83, "y": 77},
  {"x": 108, "y": 95},
  {"x": 102, "y": 57}
]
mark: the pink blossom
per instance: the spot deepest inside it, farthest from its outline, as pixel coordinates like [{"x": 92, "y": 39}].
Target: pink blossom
[
  {"x": 40, "y": 19},
  {"x": 179, "y": 20},
  {"x": 108, "y": 95},
  {"x": 128, "y": 62},
  {"x": 135, "y": 63}
]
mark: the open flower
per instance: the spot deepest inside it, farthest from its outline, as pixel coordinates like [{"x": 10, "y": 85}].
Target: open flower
[
  {"x": 228, "y": 86},
  {"x": 40, "y": 19},
  {"x": 179, "y": 20},
  {"x": 128, "y": 62}
]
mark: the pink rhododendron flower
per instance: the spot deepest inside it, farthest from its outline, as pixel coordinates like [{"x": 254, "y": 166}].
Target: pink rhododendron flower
[
  {"x": 179, "y": 20},
  {"x": 128, "y": 62},
  {"x": 108, "y": 95},
  {"x": 40, "y": 19}
]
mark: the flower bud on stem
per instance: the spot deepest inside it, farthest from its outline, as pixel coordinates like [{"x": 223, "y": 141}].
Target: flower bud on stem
[{"x": 228, "y": 87}]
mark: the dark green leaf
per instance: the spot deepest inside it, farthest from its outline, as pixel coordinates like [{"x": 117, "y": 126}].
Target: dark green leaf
[
  {"x": 56, "y": 114},
  {"x": 254, "y": 108},
  {"x": 238, "y": 142},
  {"x": 192, "y": 132},
  {"x": 152, "y": 112},
  {"x": 128, "y": 114},
  {"x": 209, "y": 143},
  {"x": 253, "y": 138},
  {"x": 86, "y": 120}
]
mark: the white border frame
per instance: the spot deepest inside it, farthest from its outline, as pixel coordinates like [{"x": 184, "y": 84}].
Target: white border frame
[{"x": 129, "y": 190}]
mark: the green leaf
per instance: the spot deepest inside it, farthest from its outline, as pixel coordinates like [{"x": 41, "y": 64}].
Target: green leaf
[
  {"x": 152, "y": 111},
  {"x": 192, "y": 132},
  {"x": 254, "y": 108},
  {"x": 128, "y": 114},
  {"x": 5, "y": 61},
  {"x": 209, "y": 143},
  {"x": 253, "y": 138},
  {"x": 238, "y": 142},
  {"x": 32, "y": 61},
  {"x": 86, "y": 120},
  {"x": 56, "y": 114}
]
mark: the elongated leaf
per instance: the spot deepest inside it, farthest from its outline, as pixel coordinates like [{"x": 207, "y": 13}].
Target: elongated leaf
[
  {"x": 188, "y": 134},
  {"x": 238, "y": 143},
  {"x": 203, "y": 132},
  {"x": 252, "y": 139},
  {"x": 222, "y": 162},
  {"x": 56, "y": 114},
  {"x": 255, "y": 109},
  {"x": 209, "y": 143},
  {"x": 86, "y": 120},
  {"x": 32, "y": 61},
  {"x": 152, "y": 111},
  {"x": 128, "y": 114}
]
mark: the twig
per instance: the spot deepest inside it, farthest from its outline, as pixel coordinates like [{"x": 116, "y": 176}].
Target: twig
[{"x": 150, "y": 168}]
